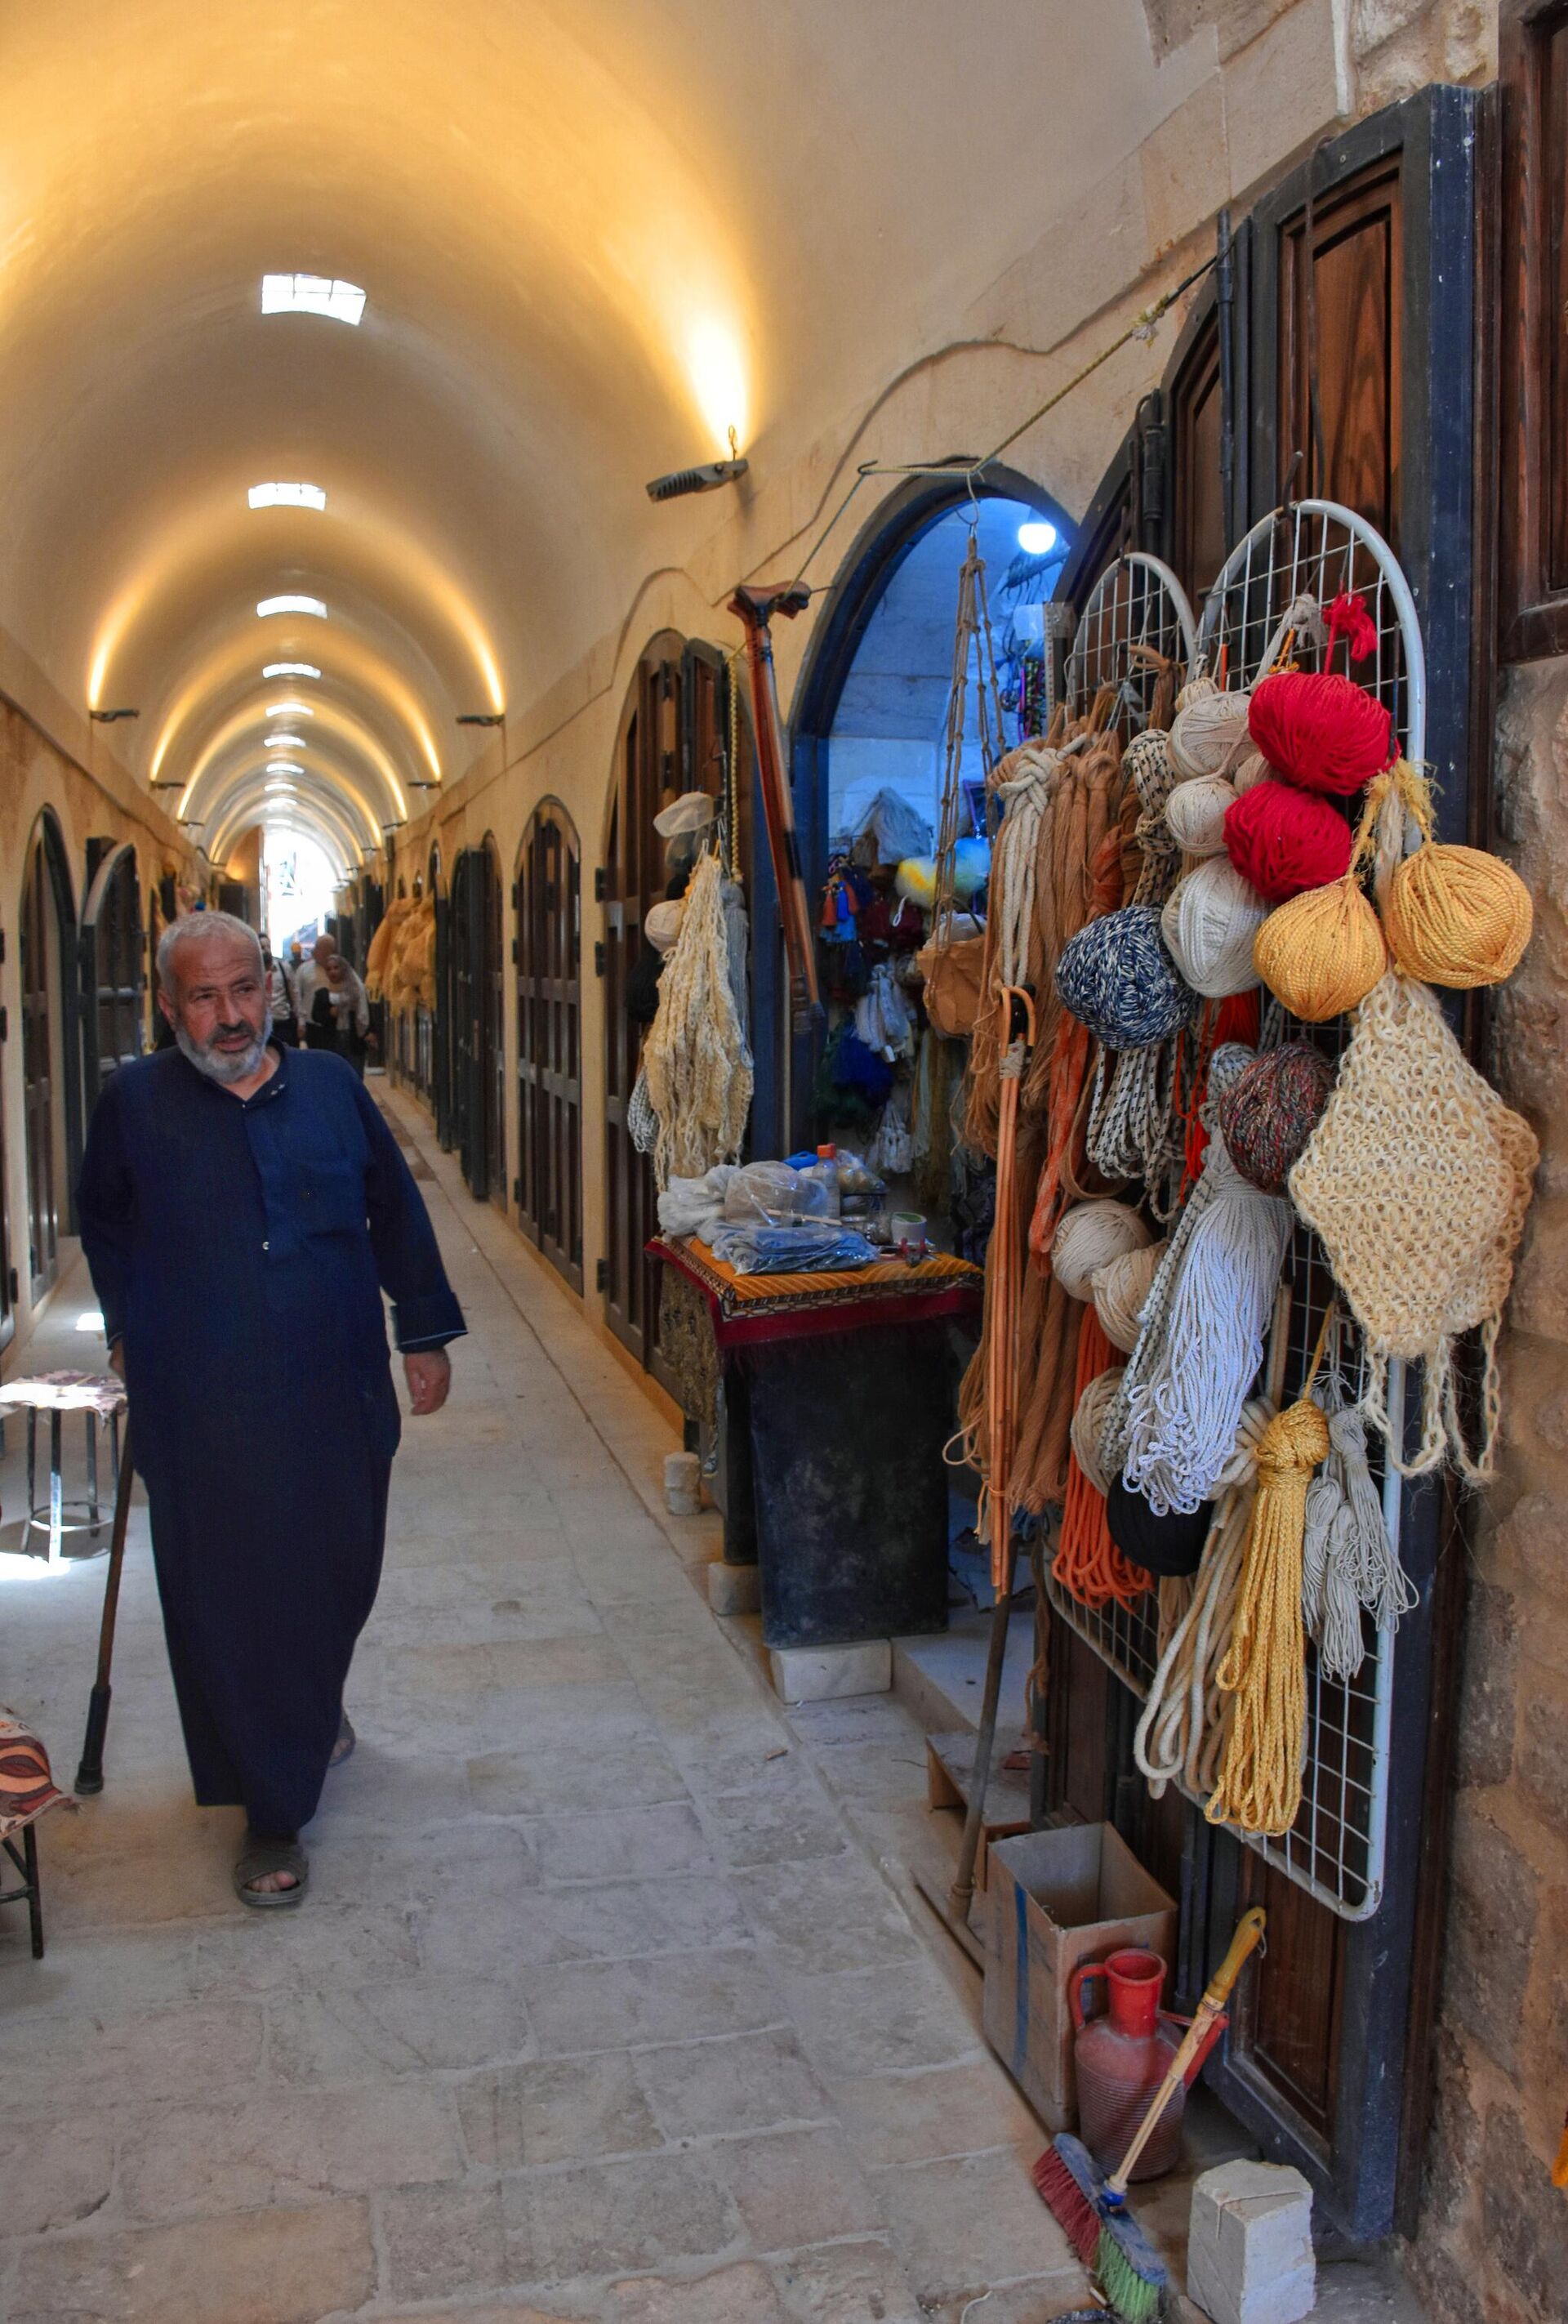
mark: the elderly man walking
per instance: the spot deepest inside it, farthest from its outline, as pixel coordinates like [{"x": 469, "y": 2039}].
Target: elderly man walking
[{"x": 242, "y": 1203}]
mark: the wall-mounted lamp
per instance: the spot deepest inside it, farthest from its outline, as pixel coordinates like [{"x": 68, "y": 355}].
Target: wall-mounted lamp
[
  {"x": 417, "y": 783},
  {"x": 705, "y": 479},
  {"x": 107, "y": 717},
  {"x": 481, "y": 718}
]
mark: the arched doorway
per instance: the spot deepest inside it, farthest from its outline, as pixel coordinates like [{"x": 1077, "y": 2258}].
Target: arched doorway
[
  {"x": 549, "y": 1055},
  {"x": 479, "y": 1021},
  {"x": 674, "y": 737},
  {"x": 52, "y": 1099},
  {"x": 113, "y": 974}
]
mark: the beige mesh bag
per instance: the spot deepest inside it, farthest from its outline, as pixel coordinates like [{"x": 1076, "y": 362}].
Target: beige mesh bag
[{"x": 1418, "y": 1179}]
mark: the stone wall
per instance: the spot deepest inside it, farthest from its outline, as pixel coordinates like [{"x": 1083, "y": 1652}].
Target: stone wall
[{"x": 1493, "y": 2243}]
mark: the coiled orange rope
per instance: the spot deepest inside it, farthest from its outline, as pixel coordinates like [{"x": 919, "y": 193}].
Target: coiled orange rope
[{"x": 1088, "y": 1564}]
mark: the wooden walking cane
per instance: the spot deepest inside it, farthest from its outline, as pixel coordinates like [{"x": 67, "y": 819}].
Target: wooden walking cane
[
  {"x": 89, "y": 1774},
  {"x": 754, "y": 609}
]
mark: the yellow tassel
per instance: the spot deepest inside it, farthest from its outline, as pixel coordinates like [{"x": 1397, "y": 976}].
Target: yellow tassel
[{"x": 1259, "y": 1786}]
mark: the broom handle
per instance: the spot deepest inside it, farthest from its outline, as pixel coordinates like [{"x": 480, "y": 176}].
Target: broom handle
[{"x": 1249, "y": 1934}]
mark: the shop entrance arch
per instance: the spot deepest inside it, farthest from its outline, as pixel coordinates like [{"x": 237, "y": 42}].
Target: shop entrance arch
[
  {"x": 52, "y": 1111},
  {"x": 478, "y": 1062},
  {"x": 548, "y": 897},
  {"x": 114, "y": 973}
]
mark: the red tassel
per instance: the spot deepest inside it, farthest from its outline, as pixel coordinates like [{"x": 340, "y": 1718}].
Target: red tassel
[{"x": 1348, "y": 616}]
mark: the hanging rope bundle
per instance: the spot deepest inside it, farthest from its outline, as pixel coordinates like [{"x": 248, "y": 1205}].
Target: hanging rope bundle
[
  {"x": 1095, "y": 1400},
  {"x": 1319, "y": 730},
  {"x": 1182, "y": 1731},
  {"x": 1348, "y": 1561},
  {"x": 1454, "y": 916},
  {"x": 1267, "y": 1116},
  {"x": 1418, "y": 1179},
  {"x": 1265, "y": 1668},
  {"x": 696, "y": 1058},
  {"x": 1285, "y": 841},
  {"x": 1087, "y": 1563},
  {"x": 947, "y": 963},
  {"x": 1209, "y": 925},
  {"x": 1183, "y": 1412}
]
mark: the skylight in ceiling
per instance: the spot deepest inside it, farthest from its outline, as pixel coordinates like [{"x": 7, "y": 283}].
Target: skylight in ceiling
[
  {"x": 289, "y": 710},
  {"x": 283, "y": 767},
  {"x": 292, "y": 605},
  {"x": 282, "y": 742},
  {"x": 311, "y": 294},
  {"x": 290, "y": 669},
  {"x": 276, "y": 495}
]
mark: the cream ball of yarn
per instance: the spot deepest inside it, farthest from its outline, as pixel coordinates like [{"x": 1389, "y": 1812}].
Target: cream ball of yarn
[
  {"x": 1089, "y": 1416},
  {"x": 1195, "y": 814},
  {"x": 1089, "y": 1235},
  {"x": 1121, "y": 1291},
  {"x": 1209, "y": 923},
  {"x": 1198, "y": 688},
  {"x": 1251, "y": 768},
  {"x": 1208, "y": 733}
]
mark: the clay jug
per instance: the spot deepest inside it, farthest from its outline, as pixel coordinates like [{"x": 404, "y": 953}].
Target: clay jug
[{"x": 1121, "y": 2059}]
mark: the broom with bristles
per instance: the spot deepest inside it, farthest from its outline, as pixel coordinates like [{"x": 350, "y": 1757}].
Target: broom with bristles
[{"x": 1092, "y": 2208}]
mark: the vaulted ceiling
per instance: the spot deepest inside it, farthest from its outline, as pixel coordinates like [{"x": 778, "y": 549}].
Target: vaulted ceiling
[{"x": 593, "y": 235}]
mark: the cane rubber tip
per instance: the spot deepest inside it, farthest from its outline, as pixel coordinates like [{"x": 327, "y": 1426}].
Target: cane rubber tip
[{"x": 88, "y": 1785}]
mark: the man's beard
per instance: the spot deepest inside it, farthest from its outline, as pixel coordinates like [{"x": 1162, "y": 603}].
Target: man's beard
[{"x": 217, "y": 1064}]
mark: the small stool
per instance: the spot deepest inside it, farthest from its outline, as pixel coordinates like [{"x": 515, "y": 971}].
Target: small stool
[
  {"x": 100, "y": 1397},
  {"x": 27, "y": 1791}
]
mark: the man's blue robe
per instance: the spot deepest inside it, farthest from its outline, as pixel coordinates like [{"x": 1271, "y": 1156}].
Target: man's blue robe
[{"x": 239, "y": 1249}]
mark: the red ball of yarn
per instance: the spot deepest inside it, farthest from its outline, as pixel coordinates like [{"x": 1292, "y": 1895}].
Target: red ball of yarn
[
  {"x": 1285, "y": 839},
  {"x": 1320, "y": 731}
]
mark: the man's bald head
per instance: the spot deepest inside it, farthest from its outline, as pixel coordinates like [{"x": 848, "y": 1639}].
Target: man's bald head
[
  {"x": 323, "y": 950},
  {"x": 182, "y": 939}
]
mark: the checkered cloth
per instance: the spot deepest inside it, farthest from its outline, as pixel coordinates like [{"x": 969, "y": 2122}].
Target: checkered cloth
[{"x": 27, "y": 1785}]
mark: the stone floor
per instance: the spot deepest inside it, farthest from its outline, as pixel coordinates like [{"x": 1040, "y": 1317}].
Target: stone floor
[{"x": 606, "y": 2004}]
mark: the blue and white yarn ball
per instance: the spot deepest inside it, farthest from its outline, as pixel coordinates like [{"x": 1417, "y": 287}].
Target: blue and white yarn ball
[{"x": 1117, "y": 977}]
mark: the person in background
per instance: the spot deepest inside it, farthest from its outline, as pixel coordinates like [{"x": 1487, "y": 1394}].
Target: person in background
[
  {"x": 332, "y": 1005},
  {"x": 239, "y": 1201},
  {"x": 280, "y": 1000}
]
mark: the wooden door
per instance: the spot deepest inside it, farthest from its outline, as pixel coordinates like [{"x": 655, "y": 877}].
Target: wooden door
[
  {"x": 1373, "y": 299},
  {"x": 648, "y": 766},
  {"x": 471, "y": 1012},
  {"x": 113, "y": 974},
  {"x": 550, "y": 1066},
  {"x": 493, "y": 1028}
]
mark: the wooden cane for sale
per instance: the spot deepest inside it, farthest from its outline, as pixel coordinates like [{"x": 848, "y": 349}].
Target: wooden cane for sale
[
  {"x": 89, "y": 1774},
  {"x": 753, "y": 609}
]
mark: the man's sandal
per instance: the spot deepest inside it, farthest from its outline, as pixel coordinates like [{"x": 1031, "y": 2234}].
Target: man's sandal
[
  {"x": 346, "y": 1738},
  {"x": 260, "y": 1857}
]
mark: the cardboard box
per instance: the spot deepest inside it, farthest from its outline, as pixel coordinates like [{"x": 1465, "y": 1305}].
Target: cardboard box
[{"x": 1056, "y": 1899}]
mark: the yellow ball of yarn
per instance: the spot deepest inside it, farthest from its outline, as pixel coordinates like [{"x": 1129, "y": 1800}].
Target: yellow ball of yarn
[
  {"x": 1322, "y": 953},
  {"x": 1457, "y": 916}
]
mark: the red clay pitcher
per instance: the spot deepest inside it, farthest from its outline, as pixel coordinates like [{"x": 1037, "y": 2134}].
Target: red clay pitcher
[{"x": 1122, "y": 2058}]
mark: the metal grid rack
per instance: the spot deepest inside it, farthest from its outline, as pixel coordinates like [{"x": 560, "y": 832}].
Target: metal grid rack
[
  {"x": 1336, "y": 1849},
  {"x": 1137, "y": 602}
]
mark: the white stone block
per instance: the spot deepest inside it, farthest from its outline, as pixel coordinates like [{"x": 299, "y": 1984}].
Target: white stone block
[
  {"x": 1249, "y": 2257},
  {"x": 822, "y": 1674},
  {"x": 683, "y": 1484},
  {"x": 733, "y": 1588}
]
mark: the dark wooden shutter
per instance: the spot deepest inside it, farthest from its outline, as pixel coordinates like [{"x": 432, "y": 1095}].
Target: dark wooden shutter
[
  {"x": 1533, "y": 339},
  {"x": 113, "y": 973},
  {"x": 550, "y": 1186}
]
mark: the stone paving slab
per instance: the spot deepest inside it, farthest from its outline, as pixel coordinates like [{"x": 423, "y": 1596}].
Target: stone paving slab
[{"x": 602, "y": 2009}]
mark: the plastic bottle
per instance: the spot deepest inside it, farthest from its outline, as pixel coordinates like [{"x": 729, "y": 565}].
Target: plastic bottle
[{"x": 825, "y": 1170}]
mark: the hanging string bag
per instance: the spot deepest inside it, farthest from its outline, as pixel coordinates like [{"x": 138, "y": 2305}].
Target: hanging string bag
[
  {"x": 1417, "y": 1179},
  {"x": 950, "y": 965},
  {"x": 696, "y": 1059},
  {"x": 1269, "y": 1113},
  {"x": 1264, "y": 1670},
  {"x": 1454, "y": 916}
]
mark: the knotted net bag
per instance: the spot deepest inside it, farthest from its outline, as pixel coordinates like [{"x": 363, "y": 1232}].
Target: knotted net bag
[{"x": 1417, "y": 1179}]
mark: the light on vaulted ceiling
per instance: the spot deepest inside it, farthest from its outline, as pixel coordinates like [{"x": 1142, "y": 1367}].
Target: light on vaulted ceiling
[
  {"x": 282, "y": 742},
  {"x": 292, "y": 605},
  {"x": 289, "y": 710},
  {"x": 290, "y": 669},
  {"x": 276, "y": 495}
]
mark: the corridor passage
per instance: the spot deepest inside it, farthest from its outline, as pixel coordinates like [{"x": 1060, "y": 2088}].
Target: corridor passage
[{"x": 602, "y": 2006}]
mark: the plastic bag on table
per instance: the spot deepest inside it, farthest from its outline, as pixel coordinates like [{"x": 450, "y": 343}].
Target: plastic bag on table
[
  {"x": 796, "y": 1247},
  {"x": 763, "y": 1190}
]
